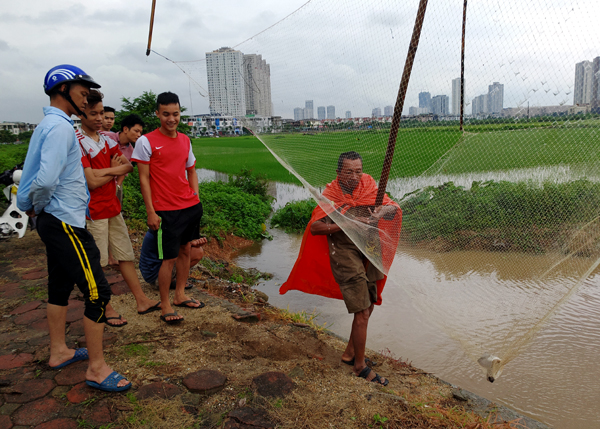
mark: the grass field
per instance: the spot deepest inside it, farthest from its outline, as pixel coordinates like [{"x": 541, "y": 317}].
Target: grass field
[{"x": 482, "y": 148}]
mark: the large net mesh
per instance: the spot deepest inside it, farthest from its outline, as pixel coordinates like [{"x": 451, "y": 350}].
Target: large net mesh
[{"x": 520, "y": 177}]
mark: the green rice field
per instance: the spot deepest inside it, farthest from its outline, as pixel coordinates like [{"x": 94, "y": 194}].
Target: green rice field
[{"x": 314, "y": 156}]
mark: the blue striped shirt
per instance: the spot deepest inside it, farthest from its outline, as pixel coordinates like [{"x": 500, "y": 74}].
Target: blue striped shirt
[{"x": 53, "y": 178}]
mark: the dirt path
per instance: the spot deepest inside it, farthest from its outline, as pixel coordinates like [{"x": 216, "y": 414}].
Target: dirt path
[{"x": 237, "y": 363}]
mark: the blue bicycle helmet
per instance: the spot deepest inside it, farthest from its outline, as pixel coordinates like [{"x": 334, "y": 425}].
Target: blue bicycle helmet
[{"x": 66, "y": 73}]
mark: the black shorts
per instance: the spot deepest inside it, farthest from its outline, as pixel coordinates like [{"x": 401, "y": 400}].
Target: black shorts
[
  {"x": 177, "y": 228},
  {"x": 73, "y": 258}
]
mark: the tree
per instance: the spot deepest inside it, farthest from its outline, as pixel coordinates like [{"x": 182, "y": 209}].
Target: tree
[
  {"x": 7, "y": 137},
  {"x": 145, "y": 107}
]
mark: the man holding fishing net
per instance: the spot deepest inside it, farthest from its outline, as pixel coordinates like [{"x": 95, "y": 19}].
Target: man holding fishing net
[{"x": 344, "y": 228}]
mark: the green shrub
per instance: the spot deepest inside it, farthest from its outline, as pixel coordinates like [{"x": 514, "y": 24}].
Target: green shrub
[
  {"x": 230, "y": 210},
  {"x": 447, "y": 209},
  {"x": 254, "y": 184},
  {"x": 133, "y": 202},
  {"x": 294, "y": 216}
]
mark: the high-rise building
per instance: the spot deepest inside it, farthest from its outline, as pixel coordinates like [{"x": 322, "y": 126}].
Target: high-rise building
[
  {"x": 415, "y": 111},
  {"x": 584, "y": 73},
  {"x": 348, "y": 114},
  {"x": 298, "y": 114},
  {"x": 257, "y": 84},
  {"x": 388, "y": 111},
  {"x": 440, "y": 105},
  {"x": 376, "y": 112},
  {"x": 456, "y": 96},
  {"x": 225, "y": 75},
  {"x": 330, "y": 112},
  {"x": 495, "y": 98},
  {"x": 596, "y": 85},
  {"x": 479, "y": 105},
  {"x": 425, "y": 100},
  {"x": 308, "y": 109},
  {"x": 321, "y": 112}
]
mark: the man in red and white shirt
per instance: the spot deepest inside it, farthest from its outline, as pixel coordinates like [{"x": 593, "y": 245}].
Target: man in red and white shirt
[
  {"x": 102, "y": 162},
  {"x": 169, "y": 185}
]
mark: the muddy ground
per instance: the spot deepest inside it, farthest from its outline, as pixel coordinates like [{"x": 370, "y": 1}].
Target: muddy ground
[{"x": 237, "y": 363}]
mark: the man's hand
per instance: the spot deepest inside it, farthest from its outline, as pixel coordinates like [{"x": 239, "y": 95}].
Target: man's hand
[
  {"x": 30, "y": 212},
  {"x": 199, "y": 242},
  {"x": 153, "y": 222},
  {"x": 116, "y": 161}
]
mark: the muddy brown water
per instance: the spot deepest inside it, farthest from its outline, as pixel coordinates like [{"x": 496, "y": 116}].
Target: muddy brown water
[{"x": 556, "y": 379}]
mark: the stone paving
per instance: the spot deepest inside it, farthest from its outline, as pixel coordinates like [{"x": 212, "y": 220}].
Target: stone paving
[{"x": 32, "y": 395}]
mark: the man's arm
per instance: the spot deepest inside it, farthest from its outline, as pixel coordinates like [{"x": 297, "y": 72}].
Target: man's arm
[
  {"x": 55, "y": 151},
  {"x": 193, "y": 179},
  {"x": 321, "y": 227},
  {"x": 100, "y": 177},
  {"x": 153, "y": 219}
]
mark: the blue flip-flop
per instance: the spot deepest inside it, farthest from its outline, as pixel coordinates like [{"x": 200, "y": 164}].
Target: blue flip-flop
[
  {"x": 110, "y": 383},
  {"x": 80, "y": 354}
]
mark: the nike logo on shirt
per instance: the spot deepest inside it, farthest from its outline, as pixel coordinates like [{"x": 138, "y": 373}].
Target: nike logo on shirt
[{"x": 157, "y": 147}]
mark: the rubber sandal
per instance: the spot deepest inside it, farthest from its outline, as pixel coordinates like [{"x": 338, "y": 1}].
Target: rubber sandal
[
  {"x": 117, "y": 318},
  {"x": 155, "y": 307},
  {"x": 172, "y": 321},
  {"x": 193, "y": 301},
  {"x": 365, "y": 373},
  {"x": 368, "y": 362},
  {"x": 80, "y": 354},
  {"x": 110, "y": 383}
]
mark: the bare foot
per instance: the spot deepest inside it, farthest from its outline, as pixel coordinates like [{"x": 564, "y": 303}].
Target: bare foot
[
  {"x": 146, "y": 304},
  {"x": 193, "y": 304},
  {"x": 199, "y": 242},
  {"x": 100, "y": 375},
  {"x": 167, "y": 309},
  {"x": 110, "y": 312},
  {"x": 61, "y": 357}
]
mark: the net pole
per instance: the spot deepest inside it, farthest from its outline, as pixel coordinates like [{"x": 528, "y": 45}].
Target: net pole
[
  {"x": 410, "y": 57},
  {"x": 151, "y": 27},
  {"x": 462, "y": 69}
]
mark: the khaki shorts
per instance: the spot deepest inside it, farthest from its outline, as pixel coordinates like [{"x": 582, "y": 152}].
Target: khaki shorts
[
  {"x": 111, "y": 233},
  {"x": 359, "y": 296}
]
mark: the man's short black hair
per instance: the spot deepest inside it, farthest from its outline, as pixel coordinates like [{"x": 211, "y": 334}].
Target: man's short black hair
[
  {"x": 94, "y": 97},
  {"x": 166, "y": 98},
  {"x": 131, "y": 121},
  {"x": 352, "y": 155},
  {"x": 108, "y": 109}
]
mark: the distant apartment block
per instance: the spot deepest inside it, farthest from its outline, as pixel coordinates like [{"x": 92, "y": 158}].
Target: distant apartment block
[
  {"x": 425, "y": 100},
  {"x": 388, "y": 111},
  {"x": 584, "y": 80},
  {"x": 238, "y": 84},
  {"x": 456, "y": 84},
  {"x": 321, "y": 112},
  {"x": 376, "y": 112},
  {"x": 440, "y": 105},
  {"x": 596, "y": 86},
  {"x": 495, "y": 98},
  {"x": 479, "y": 105},
  {"x": 330, "y": 112},
  {"x": 348, "y": 114},
  {"x": 308, "y": 110},
  {"x": 257, "y": 85},
  {"x": 225, "y": 75},
  {"x": 416, "y": 111},
  {"x": 298, "y": 114}
]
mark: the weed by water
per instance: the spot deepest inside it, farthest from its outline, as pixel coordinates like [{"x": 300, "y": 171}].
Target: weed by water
[
  {"x": 294, "y": 216},
  {"x": 298, "y": 317}
]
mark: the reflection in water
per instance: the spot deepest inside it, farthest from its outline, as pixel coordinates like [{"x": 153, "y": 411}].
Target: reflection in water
[{"x": 554, "y": 380}]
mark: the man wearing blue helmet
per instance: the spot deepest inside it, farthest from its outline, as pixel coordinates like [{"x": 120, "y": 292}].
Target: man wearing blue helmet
[{"x": 53, "y": 187}]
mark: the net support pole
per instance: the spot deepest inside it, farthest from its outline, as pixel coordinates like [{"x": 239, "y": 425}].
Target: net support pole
[
  {"x": 410, "y": 57},
  {"x": 151, "y": 27},
  {"x": 462, "y": 69}
]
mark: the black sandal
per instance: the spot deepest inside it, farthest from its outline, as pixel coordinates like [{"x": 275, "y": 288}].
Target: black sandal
[{"x": 365, "y": 373}]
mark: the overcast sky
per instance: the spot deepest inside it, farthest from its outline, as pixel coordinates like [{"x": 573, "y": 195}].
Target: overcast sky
[{"x": 347, "y": 53}]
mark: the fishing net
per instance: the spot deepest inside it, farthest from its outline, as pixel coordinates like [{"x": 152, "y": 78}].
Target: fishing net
[{"x": 520, "y": 176}]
